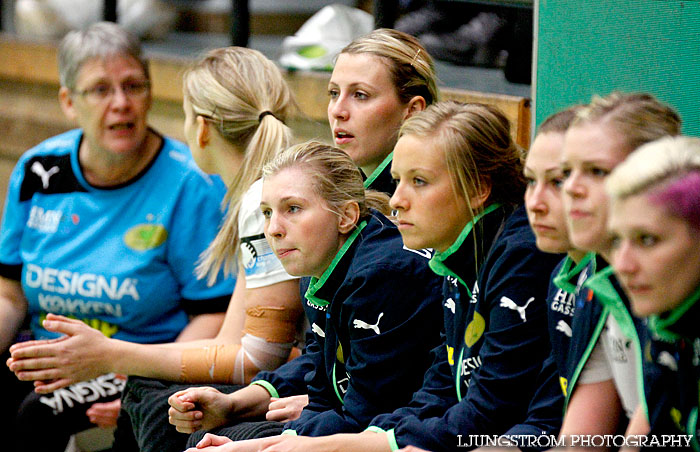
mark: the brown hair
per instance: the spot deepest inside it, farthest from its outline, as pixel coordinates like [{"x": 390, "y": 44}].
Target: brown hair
[{"x": 560, "y": 121}]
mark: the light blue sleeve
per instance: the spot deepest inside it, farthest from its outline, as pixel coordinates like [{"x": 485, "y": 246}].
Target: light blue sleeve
[
  {"x": 196, "y": 220},
  {"x": 14, "y": 221}
]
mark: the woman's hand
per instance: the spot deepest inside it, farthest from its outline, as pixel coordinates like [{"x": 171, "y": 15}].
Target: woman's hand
[
  {"x": 198, "y": 408},
  {"x": 287, "y": 408},
  {"x": 83, "y": 353},
  {"x": 211, "y": 442},
  {"x": 215, "y": 443},
  {"x": 104, "y": 414}
]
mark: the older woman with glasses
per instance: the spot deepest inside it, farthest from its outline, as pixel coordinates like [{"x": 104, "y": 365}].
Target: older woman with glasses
[{"x": 98, "y": 226}]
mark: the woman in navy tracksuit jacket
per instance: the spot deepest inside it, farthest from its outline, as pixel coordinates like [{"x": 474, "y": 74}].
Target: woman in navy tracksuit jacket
[
  {"x": 655, "y": 218},
  {"x": 545, "y": 210},
  {"x": 604, "y": 372},
  {"x": 374, "y": 317},
  {"x": 496, "y": 344},
  {"x": 373, "y": 308},
  {"x": 489, "y": 375}
]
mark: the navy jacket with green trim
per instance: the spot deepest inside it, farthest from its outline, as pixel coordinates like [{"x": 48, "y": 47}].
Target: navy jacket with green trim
[
  {"x": 381, "y": 179},
  {"x": 672, "y": 372},
  {"x": 586, "y": 326},
  {"x": 289, "y": 378},
  {"x": 375, "y": 316},
  {"x": 492, "y": 375},
  {"x": 600, "y": 296},
  {"x": 567, "y": 280}
]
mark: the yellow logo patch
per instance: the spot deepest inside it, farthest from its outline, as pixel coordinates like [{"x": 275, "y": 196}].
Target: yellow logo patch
[
  {"x": 647, "y": 352},
  {"x": 145, "y": 237},
  {"x": 475, "y": 330},
  {"x": 677, "y": 417},
  {"x": 450, "y": 355},
  {"x": 339, "y": 354},
  {"x": 564, "y": 384}
]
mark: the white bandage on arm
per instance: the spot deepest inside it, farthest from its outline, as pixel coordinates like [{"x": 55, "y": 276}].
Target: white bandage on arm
[{"x": 259, "y": 353}]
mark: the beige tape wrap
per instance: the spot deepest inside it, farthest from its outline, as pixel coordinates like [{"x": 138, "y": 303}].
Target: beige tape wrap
[
  {"x": 213, "y": 364},
  {"x": 272, "y": 323},
  {"x": 269, "y": 332}
]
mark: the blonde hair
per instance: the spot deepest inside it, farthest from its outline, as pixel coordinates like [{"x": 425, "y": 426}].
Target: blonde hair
[
  {"x": 334, "y": 176},
  {"x": 479, "y": 152},
  {"x": 478, "y": 149},
  {"x": 638, "y": 118},
  {"x": 243, "y": 94},
  {"x": 411, "y": 67},
  {"x": 653, "y": 163}
]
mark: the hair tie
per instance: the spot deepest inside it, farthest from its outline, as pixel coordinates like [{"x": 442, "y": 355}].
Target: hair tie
[{"x": 268, "y": 112}]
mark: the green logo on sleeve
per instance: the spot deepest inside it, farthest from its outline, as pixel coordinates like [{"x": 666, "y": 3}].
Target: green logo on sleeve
[{"x": 145, "y": 237}]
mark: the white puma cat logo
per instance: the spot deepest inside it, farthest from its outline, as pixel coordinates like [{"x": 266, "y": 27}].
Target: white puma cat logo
[
  {"x": 450, "y": 304},
  {"x": 425, "y": 252},
  {"x": 39, "y": 170},
  {"x": 665, "y": 359},
  {"x": 359, "y": 324},
  {"x": 564, "y": 328},
  {"x": 510, "y": 304},
  {"x": 317, "y": 329}
]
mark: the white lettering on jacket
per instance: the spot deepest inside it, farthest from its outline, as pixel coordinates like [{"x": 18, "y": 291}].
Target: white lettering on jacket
[
  {"x": 44, "y": 220},
  {"x": 88, "y": 285}
]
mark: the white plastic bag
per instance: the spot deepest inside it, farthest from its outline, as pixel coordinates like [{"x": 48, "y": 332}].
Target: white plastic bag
[{"x": 323, "y": 36}]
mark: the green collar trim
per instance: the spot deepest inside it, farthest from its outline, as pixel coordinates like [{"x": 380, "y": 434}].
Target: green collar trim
[
  {"x": 607, "y": 295},
  {"x": 335, "y": 387},
  {"x": 437, "y": 263},
  {"x": 566, "y": 273},
  {"x": 317, "y": 283},
  {"x": 693, "y": 427},
  {"x": 662, "y": 326},
  {"x": 378, "y": 170}
]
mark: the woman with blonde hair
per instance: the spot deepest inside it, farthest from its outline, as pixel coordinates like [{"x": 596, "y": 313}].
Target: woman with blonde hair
[
  {"x": 655, "y": 225},
  {"x": 378, "y": 81},
  {"x": 605, "y": 390},
  {"x": 372, "y": 303},
  {"x": 235, "y": 103},
  {"x": 456, "y": 163}
]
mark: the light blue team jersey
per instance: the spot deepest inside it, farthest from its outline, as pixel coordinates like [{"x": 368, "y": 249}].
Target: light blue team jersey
[{"x": 121, "y": 259}]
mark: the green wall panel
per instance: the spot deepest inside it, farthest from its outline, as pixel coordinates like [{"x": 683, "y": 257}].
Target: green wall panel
[{"x": 586, "y": 48}]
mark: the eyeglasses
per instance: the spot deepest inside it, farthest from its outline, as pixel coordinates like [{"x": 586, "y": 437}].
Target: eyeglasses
[{"x": 103, "y": 92}]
